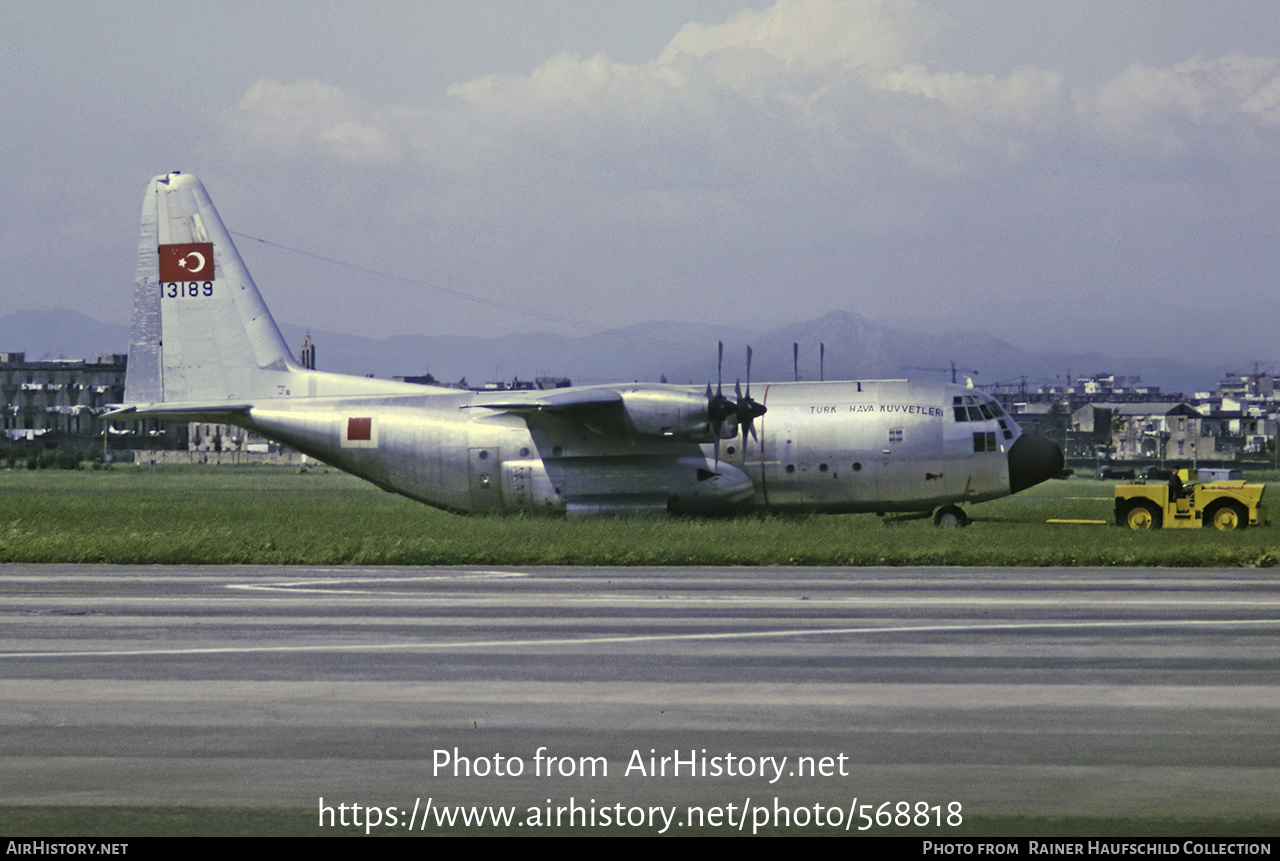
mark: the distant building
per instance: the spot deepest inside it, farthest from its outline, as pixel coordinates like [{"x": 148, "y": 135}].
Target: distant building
[
  {"x": 308, "y": 354},
  {"x": 1146, "y": 431},
  {"x": 1112, "y": 387},
  {"x": 1238, "y": 427},
  {"x": 64, "y": 398},
  {"x": 1257, "y": 386},
  {"x": 205, "y": 437}
]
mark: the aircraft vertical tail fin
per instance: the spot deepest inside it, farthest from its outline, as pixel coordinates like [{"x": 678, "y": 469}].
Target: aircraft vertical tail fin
[{"x": 201, "y": 332}]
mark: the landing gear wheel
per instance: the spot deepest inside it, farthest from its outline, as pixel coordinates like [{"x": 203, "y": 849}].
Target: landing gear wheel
[
  {"x": 950, "y": 517},
  {"x": 1142, "y": 517},
  {"x": 1229, "y": 516}
]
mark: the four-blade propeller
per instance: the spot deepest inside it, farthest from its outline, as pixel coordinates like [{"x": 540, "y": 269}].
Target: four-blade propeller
[{"x": 724, "y": 412}]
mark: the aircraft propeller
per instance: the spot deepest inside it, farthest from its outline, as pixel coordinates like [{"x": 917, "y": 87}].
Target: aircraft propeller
[
  {"x": 748, "y": 410},
  {"x": 740, "y": 410},
  {"x": 719, "y": 407}
]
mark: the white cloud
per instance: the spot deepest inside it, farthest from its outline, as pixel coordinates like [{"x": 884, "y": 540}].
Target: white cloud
[
  {"x": 802, "y": 85},
  {"x": 312, "y": 115},
  {"x": 1164, "y": 112},
  {"x": 809, "y": 143},
  {"x": 812, "y": 35}
]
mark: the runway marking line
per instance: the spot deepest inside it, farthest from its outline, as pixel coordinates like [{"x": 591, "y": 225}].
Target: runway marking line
[
  {"x": 304, "y": 585},
  {"x": 320, "y": 586},
  {"x": 649, "y": 638}
]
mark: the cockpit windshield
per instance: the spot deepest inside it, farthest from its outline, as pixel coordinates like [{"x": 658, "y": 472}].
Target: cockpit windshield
[{"x": 980, "y": 408}]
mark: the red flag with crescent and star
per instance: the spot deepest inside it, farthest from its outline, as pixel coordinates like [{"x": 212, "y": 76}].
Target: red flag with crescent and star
[{"x": 191, "y": 261}]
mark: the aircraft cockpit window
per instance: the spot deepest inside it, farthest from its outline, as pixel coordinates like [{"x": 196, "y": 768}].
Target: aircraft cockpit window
[{"x": 975, "y": 408}]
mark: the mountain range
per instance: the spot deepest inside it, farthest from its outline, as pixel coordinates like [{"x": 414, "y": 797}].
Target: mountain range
[{"x": 855, "y": 347}]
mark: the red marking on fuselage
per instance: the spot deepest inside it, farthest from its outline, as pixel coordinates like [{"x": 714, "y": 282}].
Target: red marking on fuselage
[{"x": 359, "y": 429}]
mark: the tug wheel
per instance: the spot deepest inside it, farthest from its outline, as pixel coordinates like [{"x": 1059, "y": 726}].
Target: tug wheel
[
  {"x": 1142, "y": 516},
  {"x": 1229, "y": 516}
]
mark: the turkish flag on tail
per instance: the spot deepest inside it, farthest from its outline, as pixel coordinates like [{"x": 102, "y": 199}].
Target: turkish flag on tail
[{"x": 192, "y": 261}]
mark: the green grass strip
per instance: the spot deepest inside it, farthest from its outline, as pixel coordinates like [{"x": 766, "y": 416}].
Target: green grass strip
[{"x": 263, "y": 515}]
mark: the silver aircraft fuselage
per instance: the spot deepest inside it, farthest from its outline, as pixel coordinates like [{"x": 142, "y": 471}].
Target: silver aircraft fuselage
[
  {"x": 205, "y": 348},
  {"x": 861, "y": 446}
]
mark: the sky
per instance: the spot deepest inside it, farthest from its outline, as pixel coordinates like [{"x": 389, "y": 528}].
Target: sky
[{"x": 1094, "y": 175}]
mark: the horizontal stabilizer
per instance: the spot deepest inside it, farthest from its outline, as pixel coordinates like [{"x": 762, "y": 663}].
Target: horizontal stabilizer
[{"x": 192, "y": 410}]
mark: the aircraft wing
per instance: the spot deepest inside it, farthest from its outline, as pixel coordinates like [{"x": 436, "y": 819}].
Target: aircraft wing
[
  {"x": 598, "y": 409},
  {"x": 553, "y": 401},
  {"x": 632, "y": 409}
]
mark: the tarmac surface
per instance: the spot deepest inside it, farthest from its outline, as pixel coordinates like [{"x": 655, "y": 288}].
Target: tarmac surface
[{"x": 1040, "y": 692}]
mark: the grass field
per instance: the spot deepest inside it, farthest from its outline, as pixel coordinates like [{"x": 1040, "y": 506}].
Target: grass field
[{"x": 275, "y": 516}]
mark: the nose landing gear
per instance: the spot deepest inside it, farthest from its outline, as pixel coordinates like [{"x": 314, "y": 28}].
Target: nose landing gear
[{"x": 950, "y": 517}]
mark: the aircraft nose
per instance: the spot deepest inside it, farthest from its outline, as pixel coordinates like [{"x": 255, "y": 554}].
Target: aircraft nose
[{"x": 1032, "y": 459}]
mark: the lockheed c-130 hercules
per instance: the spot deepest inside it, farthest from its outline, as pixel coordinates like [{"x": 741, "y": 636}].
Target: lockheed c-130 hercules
[{"x": 205, "y": 348}]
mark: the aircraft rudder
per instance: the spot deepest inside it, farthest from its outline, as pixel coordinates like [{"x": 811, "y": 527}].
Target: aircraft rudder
[{"x": 142, "y": 382}]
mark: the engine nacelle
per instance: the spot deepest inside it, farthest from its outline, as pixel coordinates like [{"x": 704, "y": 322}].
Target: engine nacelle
[{"x": 667, "y": 412}]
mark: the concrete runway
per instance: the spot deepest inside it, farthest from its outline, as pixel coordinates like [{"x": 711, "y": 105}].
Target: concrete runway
[{"x": 1042, "y": 692}]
